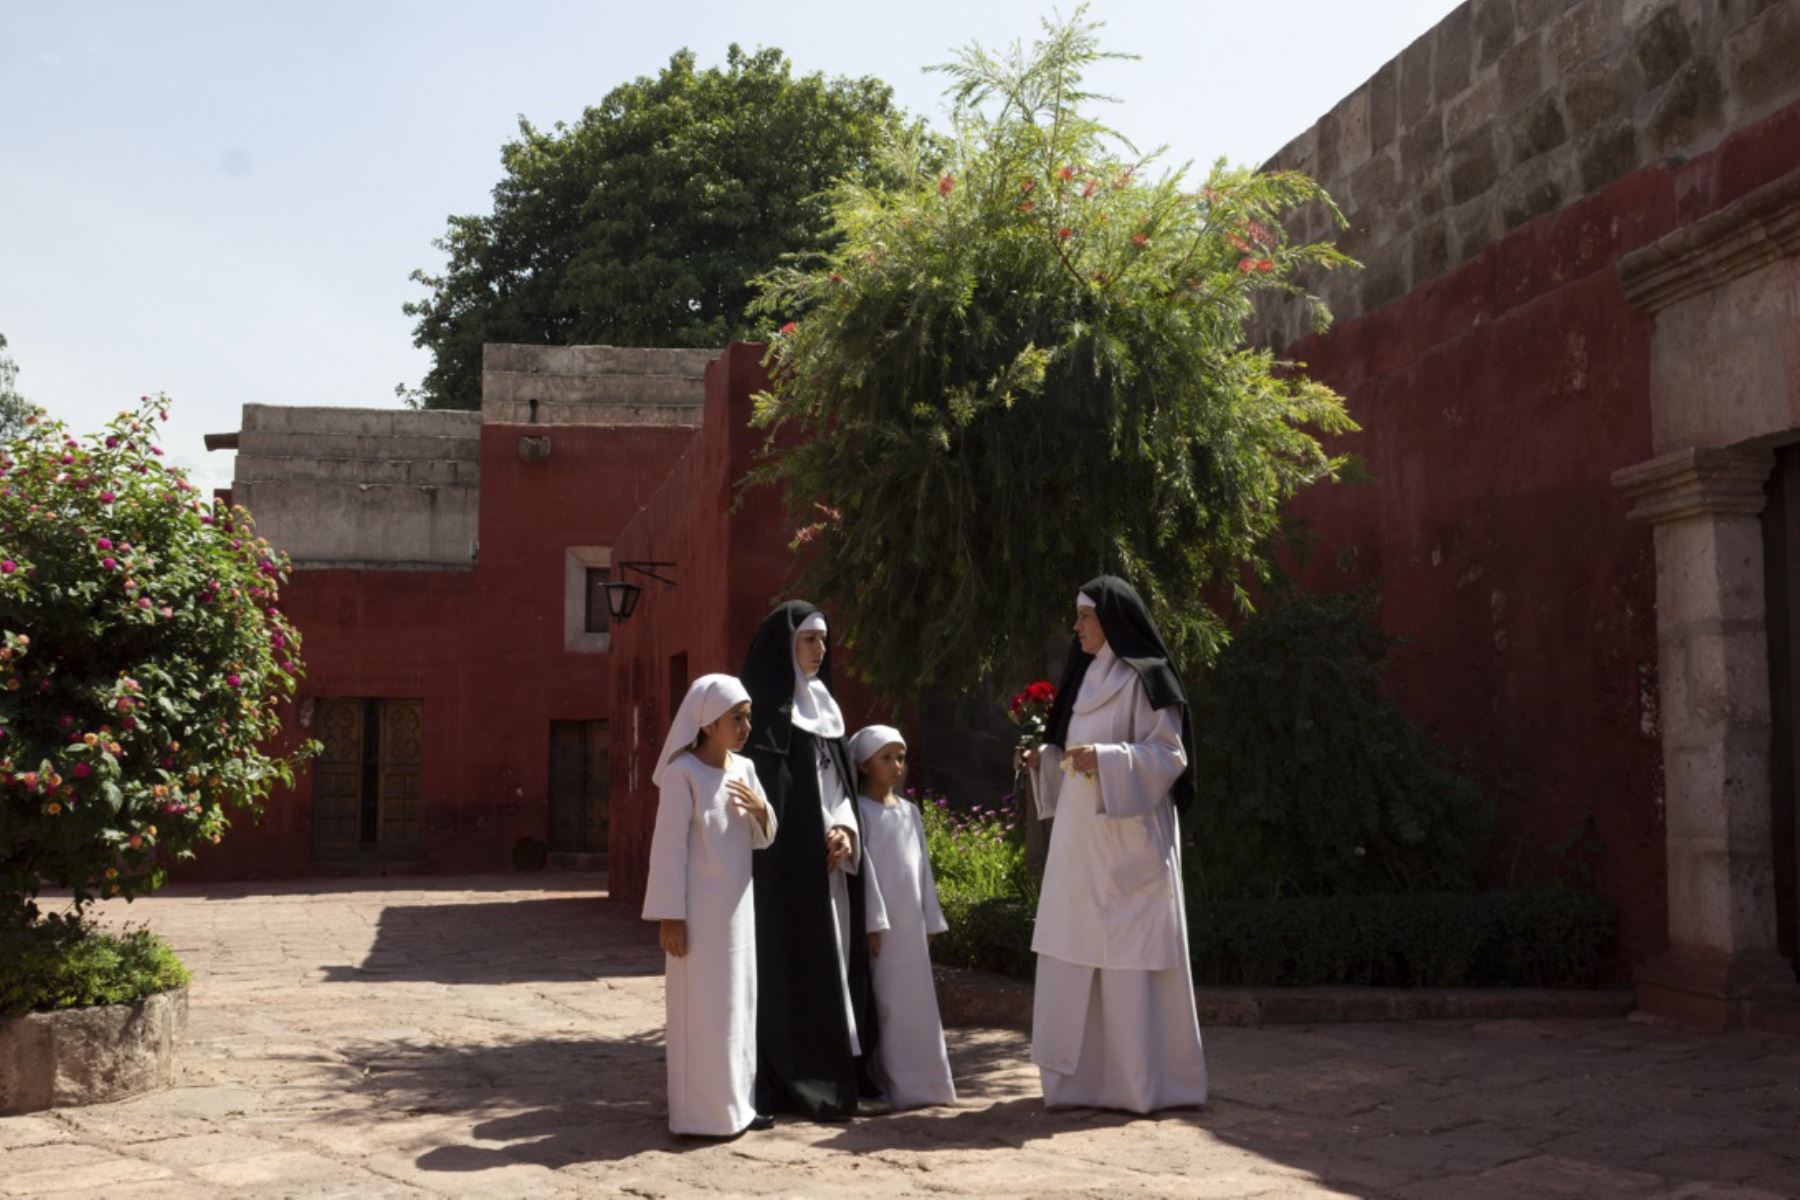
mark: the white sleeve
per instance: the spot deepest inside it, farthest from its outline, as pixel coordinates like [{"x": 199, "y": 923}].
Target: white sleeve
[
  {"x": 875, "y": 918},
  {"x": 665, "y": 892},
  {"x": 1135, "y": 777},
  {"x": 841, "y": 814},
  {"x": 760, "y": 838},
  {"x": 1049, "y": 780},
  {"x": 928, "y": 897}
]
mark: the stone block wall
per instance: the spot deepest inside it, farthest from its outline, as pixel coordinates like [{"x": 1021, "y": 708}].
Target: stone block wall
[
  {"x": 1511, "y": 109},
  {"x": 592, "y": 385},
  {"x": 346, "y": 486}
]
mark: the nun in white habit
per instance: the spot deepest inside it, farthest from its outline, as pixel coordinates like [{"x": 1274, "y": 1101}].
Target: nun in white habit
[
  {"x": 1113, "y": 1020},
  {"x": 710, "y": 817}
]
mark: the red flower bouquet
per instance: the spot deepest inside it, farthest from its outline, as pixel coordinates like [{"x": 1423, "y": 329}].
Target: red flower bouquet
[{"x": 1029, "y": 710}]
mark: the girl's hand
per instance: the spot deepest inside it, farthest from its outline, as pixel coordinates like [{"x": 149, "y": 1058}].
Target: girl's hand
[
  {"x": 747, "y": 801},
  {"x": 837, "y": 847},
  {"x": 1084, "y": 759},
  {"x": 875, "y": 945},
  {"x": 673, "y": 936},
  {"x": 1027, "y": 758}
]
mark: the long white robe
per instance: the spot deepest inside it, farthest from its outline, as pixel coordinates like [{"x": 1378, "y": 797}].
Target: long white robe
[
  {"x": 700, "y": 873},
  {"x": 1113, "y": 1019},
  {"x": 840, "y": 813},
  {"x": 915, "y": 1068}
]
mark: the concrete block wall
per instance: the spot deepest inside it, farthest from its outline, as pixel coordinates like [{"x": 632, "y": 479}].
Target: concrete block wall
[
  {"x": 592, "y": 385},
  {"x": 358, "y": 486},
  {"x": 1510, "y": 109}
]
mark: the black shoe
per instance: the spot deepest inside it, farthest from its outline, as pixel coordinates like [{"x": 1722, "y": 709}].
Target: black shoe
[
  {"x": 873, "y": 1106},
  {"x": 760, "y": 1122}
]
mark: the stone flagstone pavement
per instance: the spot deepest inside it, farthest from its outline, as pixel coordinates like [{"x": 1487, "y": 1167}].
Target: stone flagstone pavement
[{"x": 502, "y": 1037}]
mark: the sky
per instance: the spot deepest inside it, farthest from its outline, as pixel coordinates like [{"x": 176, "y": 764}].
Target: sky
[{"x": 224, "y": 201}]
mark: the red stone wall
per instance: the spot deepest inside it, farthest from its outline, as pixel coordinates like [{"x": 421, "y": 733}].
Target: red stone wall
[
  {"x": 483, "y": 648},
  {"x": 1497, "y": 400}
]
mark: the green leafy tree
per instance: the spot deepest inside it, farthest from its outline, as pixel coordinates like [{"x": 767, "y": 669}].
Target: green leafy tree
[
  {"x": 642, "y": 223},
  {"x": 14, "y": 408},
  {"x": 1026, "y": 367},
  {"x": 142, "y": 663}
]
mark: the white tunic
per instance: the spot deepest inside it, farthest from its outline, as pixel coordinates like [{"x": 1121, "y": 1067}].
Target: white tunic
[
  {"x": 840, "y": 813},
  {"x": 1113, "y": 1019},
  {"x": 700, "y": 873},
  {"x": 914, "y": 1066}
]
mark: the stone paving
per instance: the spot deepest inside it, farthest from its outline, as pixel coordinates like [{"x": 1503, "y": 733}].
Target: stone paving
[{"x": 481, "y": 1037}]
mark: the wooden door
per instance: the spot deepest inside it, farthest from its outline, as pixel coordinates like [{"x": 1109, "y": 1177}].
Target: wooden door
[
  {"x": 579, "y": 786},
  {"x": 338, "y": 780},
  {"x": 402, "y": 778}
]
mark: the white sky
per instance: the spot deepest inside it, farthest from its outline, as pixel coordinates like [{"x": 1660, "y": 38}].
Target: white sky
[{"x": 223, "y": 201}]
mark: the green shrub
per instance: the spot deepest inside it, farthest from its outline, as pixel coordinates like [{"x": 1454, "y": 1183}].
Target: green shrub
[
  {"x": 1549, "y": 936},
  {"x": 1311, "y": 781},
  {"x": 143, "y": 663},
  {"x": 63, "y": 962}
]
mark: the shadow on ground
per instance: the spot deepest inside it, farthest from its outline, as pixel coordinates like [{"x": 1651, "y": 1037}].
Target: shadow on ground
[{"x": 567, "y": 939}]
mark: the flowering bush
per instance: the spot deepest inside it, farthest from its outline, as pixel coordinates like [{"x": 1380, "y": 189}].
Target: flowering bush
[
  {"x": 1041, "y": 327},
  {"x": 142, "y": 662},
  {"x": 1030, "y": 710},
  {"x": 978, "y": 852}
]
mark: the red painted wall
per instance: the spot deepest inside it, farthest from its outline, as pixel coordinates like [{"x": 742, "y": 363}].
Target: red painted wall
[
  {"x": 483, "y": 648},
  {"x": 733, "y": 566},
  {"x": 1496, "y": 402}
]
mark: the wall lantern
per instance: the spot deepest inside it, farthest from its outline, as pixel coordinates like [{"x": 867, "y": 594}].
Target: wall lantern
[{"x": 622, "y": 595}]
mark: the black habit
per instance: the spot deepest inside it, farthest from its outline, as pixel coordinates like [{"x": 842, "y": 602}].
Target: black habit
[{"x": 804, "y": 1063}]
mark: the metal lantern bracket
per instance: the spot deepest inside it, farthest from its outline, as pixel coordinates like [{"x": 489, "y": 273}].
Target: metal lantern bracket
[{"x": 622, "y": 595}]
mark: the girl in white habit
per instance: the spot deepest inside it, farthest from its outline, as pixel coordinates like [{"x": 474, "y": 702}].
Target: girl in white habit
[
  {"x": 709, "y": 818},
  {"x": 915, "y": 1070},
  {"x": 1113, "y": 1021}
]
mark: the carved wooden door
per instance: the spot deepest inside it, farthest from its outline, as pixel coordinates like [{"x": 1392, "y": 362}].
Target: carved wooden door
[
  {"x": 338, "y": 780},
  {"x": 580, "y": 771},
  {"x": 402, "y": 778}
]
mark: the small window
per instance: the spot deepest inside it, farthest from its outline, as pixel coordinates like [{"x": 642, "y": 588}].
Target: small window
[{"x": 599, "y": 617}]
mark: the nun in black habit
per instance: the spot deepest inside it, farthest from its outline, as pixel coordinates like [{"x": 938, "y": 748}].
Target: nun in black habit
[
  {"x": 816, "y": 1025},
  {"x": 1113, "y": 1019}
]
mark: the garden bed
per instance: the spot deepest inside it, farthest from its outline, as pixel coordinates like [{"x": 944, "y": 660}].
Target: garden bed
[{"x": 88, "y": 1055}]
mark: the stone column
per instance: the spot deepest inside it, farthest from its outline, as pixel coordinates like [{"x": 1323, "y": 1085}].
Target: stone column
[{"x": 1722, "y": 964}]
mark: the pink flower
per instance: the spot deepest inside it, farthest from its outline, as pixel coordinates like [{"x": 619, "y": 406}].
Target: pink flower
[
  {"x": 129, "y": 723},
  {"x": 104, "y": 543},
  {"x": 143, "y": 602},
  {"x": 8, "y": 566},
  {"x": 107, "y": 563},
  {"x": 107, "y": 497},
  {"x": 791, "y": 328},
  {"x": 82, "y": 770},
  {"x": 232, "y": 680}
]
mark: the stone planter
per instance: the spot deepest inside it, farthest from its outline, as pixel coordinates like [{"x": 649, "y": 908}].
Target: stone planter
[{"x": 89, "y": 1055}]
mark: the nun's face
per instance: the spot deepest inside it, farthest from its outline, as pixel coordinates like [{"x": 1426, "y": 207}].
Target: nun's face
[
  {"x": 1088, "y": 631},
  {"x": 733, "y": 728},
  {"x": 809, "y": 651},
  {"x": 887, "y": 766}
]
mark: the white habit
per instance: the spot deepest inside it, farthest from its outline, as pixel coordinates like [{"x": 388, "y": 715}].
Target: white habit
[
  {"x": 1113, "y": 1022},
  {"x": 700, "y": 873},
  {"x": 914, "y": 1066},
  {"x": 840, "y": 813}
]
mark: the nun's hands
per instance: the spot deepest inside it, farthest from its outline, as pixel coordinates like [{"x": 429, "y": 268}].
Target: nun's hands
[
  {"x": 837, "y": 847},
  {"x": 747, "y": 801},
  {"x": 1027, "y": 758},
  {"x": 673, "y": 936},
  {"x": 1084, "y": 759}
]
